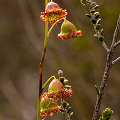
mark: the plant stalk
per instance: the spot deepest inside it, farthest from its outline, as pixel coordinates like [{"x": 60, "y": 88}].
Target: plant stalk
[{"x": 41, "y": 67}]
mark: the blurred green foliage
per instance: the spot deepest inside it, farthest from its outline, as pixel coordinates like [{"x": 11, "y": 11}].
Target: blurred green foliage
[{"x": 82, "y": 59}]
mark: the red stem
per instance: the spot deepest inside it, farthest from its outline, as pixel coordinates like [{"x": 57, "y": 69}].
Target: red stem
[{"x": 41, "y": 68}]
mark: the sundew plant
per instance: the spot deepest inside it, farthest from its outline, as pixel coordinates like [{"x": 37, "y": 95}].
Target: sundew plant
[{"x": 54, "y": 100}]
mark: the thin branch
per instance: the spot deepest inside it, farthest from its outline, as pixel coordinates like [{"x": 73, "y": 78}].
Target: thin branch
[
  {"x": 116, "y": 60},
  {"x": 109, "y": 64},
  {"x": 52, "y": 27},
  {"x": 67, "y": 115},
  {"x": 102, "y": 87},
  {"x": 116, "y": 32},
  {"x": 47, "y": 81},
  {"x": 105, "y": 47},
  {"x": 91, "y": 6},
  {"x": 116, "y": 44}
]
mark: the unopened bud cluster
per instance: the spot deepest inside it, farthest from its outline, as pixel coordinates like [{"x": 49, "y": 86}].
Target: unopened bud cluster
[
  {"x": 94, "y": 16},
  {"x": 106, "y": 115},
  {"x": 66, "y": 109}
]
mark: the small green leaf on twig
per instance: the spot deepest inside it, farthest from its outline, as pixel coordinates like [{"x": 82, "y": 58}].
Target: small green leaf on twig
[
  {"x": 64, "y": 104},
  {"x": 97, "y": 90},
  {"x": 62, "y": 79},
  {"x": 98, "y": 21},
  {"x": 97, "y": 6},
  {"x": 92, "y": 11},
  {"x": 71, "y": 115},
  {"x": 93, "y": 21},
  {"x": 101, "y": 39},
  {"x": 88, "y": 15},
  {"x": 67, "y": 86},
  {"x": 83, "y": 2},
  {"x": 67, "y": 106},
  {"x": 65, "y": 80},
  {"x": 68, "y": 111},
  {"x": 95, "y": 35},
  {"x": 97, "y": 26},
  {"x": 97, "y": 14},
  {"x": 101, "y": 32}
]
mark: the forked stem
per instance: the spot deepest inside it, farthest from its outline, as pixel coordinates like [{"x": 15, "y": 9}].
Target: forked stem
[{"x": 109, "y": 64}]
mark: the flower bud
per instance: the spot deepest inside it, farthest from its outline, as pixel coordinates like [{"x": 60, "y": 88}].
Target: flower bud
[
  {"x": 48, "y": 106},
  {"x": 52, "y": 13},
  {"x": 106, "y": 115},
  {"x": 68, "y": 30},
  {"x": 55, "y": 86},
  {"x": 57, "y": 90}
]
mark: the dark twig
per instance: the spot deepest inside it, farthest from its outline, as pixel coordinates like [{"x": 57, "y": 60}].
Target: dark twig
[
  {"x": 116, "y": 32},
  {"x": 108, "y": 67},
  {"x": 109, "y": 62}
]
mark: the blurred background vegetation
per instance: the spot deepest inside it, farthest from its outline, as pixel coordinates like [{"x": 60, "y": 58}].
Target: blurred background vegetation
[{"x": 82, "y": 59}]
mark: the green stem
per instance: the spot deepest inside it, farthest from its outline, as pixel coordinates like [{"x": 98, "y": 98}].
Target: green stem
[
  {"x": 38, "y": 109},
  {"x": 52, "y": 27},
  {"x": 41, "y": 67},
  {"x": 41, "y": 64},
  {"x": 46, "y": 35},
  {"x": 47, "y": 81}
]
